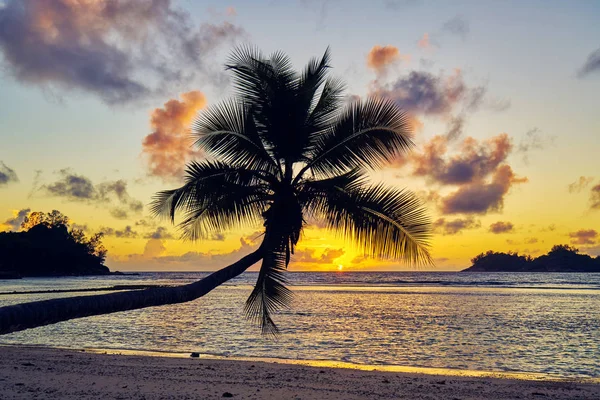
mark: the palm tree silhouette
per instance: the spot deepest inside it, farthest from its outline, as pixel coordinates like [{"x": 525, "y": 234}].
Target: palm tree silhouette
[{"x": 285, "y": 150}]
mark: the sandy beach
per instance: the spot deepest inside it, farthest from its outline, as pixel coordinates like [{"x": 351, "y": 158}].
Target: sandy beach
[{"x": 43, "y": 373}]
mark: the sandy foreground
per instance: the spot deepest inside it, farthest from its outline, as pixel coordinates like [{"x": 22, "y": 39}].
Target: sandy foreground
[{"x": 42, "y": 373}]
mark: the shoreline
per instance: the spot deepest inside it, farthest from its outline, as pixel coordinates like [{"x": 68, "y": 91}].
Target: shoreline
[
  {"x": 67, "y": 373},
  {"x": 324, "y": 363}
]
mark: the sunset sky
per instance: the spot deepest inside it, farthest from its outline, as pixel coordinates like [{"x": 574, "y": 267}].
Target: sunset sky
[{"x": 96, "y": 100}]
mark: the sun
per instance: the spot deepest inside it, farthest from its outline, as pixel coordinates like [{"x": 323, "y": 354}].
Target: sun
[{"x": 340, "y": 267}]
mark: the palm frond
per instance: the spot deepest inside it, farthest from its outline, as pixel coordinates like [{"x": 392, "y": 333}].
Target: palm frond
[
  {"x": 283, "y": 226},
  {"x": 268, "y": 86},
  {"x": 312, "y": 79},
  {"x": 326, "y": 109},
  {"x": 270, "y": 293},
  {"x": 324, "y": 112},
  {"x": 367, "y": 135},
  {"x": 228, "y": 132},
  {"x": 385, "y": 222},
  {"x": 256, "y": 77},
  {"x": 215, "y": 198}
]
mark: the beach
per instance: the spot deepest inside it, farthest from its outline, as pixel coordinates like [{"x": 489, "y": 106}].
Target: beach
[{"x": 46, "y": 373}]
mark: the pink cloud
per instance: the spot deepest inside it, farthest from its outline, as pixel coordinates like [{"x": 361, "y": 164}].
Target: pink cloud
[
  {"x": 169, "y": 147},
  {"x": 424, "y": 42},
  {"x": 584, "y": 236},
  {"x": 381, "y": 57}
]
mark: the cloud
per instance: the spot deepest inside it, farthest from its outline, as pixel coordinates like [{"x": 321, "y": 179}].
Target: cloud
[
  {"x": 580, "y": 184},
  {"x": 329, "y": 255},
  {"x": 457, "y": 26},
  {"x": 426, "y": 63},
  {"x": 584, "y": 236},
  {"x": 120, "y": 51},
  {"x": 81, "y": 227},
  {"x": 591, "y": 65},
  {"x": 119, "y": 189},
  {"x": 424, "y": 94},
  {"x": 479, "y": 170},
  {"x": 424, "y": 42},
  {"x": 231, "y": 11},
  {"x": 14, "y": 223},
  {"x": 446, "y": 227},
  {"x": 307, "y": 256},
  {"x": 593, "y": 251},
  {"x": 360, "y": 259},
  {"x": 455, "y": 127},
  {"x": 475, "y": 160},
  {"x": 153, "y": 257},
  {"x": 112, "y": 194},
  {"x": 549, "y": 228},
  {"x": 119, "y": 213},
  {"x": 72, "y": 187},
  {"x": 533, "y": 139},
  {"x": 154, "y": 248},
  {"x": 529, "y": 240},
  {"x": 501, "y": 227},
  {"x": 218, "y": 237},
  {"x": 169, "y": 146},
  {"x": 595, "y": 197},
  {"x": 7, "y": 175},
  {"x": 252, "y": 239},
  {"x": 380, "y": 58},
  {"x": 498, "y": 105},
  {"x": 126, "y": 232},
  {"x": 159, "y": 233},
  {"x": 480, "y": 196}
]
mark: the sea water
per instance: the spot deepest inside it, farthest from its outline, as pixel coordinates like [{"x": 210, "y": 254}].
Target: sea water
[{"x": 510, "y": 322}]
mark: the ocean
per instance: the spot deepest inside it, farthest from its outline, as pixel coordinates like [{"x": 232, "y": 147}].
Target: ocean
[{"x": 542, "y": 323}]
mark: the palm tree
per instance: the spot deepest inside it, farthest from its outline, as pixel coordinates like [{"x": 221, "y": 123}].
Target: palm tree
[{"x": 285, "y": 150}]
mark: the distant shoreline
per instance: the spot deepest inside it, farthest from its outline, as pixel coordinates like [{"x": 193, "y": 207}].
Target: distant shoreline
[
  {"x": 100, "y": 289},
  {"x": 10, "y": 275},
  {"x": 561, "y": 259}
]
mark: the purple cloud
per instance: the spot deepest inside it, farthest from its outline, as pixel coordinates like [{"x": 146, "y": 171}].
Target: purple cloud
[{"x": 109, "y": 48}]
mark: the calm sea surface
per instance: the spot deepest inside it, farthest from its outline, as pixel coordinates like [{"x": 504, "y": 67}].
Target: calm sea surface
[{"x": 540, "y": 323}]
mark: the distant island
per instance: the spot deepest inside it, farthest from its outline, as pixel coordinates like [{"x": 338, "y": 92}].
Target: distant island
[
  {"x": 48, "y": 247},
  {"x": 562, "y": 258}
]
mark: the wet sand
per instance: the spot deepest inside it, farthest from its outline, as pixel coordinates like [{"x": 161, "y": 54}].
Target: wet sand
[{"x": 43, "y": 373}]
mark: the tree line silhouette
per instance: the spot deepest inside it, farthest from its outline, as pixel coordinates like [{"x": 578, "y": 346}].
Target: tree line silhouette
[
  {"x": 48, "y": 246},
  {"x": 561, "y": 258}
]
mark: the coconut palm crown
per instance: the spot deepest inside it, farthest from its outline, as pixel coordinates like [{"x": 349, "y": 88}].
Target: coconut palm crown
[{"x": 289, "y": 148}]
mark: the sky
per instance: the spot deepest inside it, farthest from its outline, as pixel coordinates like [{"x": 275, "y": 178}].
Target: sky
[{"x": 97, "y": 97}]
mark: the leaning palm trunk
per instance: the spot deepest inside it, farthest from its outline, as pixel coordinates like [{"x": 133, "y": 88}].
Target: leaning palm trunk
[{"x": 39, "y": 313}]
